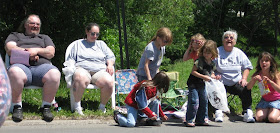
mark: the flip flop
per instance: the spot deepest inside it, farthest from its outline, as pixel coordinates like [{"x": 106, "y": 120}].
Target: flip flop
[{"x": 189, "y": 124}]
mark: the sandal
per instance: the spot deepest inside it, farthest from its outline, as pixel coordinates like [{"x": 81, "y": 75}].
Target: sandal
[{"x": 189, "y": 124}]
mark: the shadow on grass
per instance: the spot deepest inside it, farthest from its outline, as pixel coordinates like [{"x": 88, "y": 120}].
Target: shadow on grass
[{"x": 64, "y": 103}]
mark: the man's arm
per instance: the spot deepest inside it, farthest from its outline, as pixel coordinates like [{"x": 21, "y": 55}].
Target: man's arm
[
  {"x": 11, "y": 45},
  {"x": 47, "y": 52}
]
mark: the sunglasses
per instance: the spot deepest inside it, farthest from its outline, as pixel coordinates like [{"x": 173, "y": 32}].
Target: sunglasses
[
  {"x": 227, "y": 37},
  {"x": 94, "y": 33}
]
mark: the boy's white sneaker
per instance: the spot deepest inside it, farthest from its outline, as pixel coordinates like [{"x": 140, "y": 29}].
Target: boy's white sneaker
[
  {"x": 219, "y": 116},
  {"x": 248, "y": 116}
]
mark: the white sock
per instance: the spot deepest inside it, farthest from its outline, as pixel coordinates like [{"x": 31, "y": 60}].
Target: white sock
[
  {"x": 19, "y": 103},
  {"x": 45, "y": 103},
  {"x": 77, "y": 104}
]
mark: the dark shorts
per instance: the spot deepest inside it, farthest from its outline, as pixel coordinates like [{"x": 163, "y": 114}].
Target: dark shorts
[
  {"x": 265, "y": 104},
  {"x": 35, "y": 74}
]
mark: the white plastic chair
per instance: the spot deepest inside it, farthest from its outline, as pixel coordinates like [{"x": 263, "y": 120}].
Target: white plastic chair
[
  {"x": 7, "y": 64},
  {"x": 90, "y": 86}
]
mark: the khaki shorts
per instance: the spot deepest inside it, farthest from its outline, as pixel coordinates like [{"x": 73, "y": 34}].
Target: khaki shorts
[{"x": 93, "y": 76}]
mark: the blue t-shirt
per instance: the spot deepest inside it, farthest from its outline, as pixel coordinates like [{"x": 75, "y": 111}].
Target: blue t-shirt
[{"x": 155, "y": 56}]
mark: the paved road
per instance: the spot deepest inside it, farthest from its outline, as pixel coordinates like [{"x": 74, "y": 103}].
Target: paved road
[{"x": 108, "y": 126}]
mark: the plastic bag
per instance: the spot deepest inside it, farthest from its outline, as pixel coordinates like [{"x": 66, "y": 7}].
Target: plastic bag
[
  {"x": 217, "y": 95},
  {"x": 181, "y": 113},
  {"x": 69, "y": 70}
]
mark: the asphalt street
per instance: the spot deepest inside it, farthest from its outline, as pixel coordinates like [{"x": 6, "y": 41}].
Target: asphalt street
[{"x": 109, "y": 126}]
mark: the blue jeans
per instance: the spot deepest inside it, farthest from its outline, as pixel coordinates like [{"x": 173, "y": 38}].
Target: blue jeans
[
  {"x": 197, "y": 105},
  {"x": 132, "y": 113}
]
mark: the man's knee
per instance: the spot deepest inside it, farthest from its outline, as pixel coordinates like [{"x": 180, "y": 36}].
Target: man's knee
[
  {"x": 53, "y": 75},
  {"x": 16, "y": 71}
]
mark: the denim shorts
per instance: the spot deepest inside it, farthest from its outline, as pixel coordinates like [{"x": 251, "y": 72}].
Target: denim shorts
[
  {"x": 265, "y": 104},
  {"x": 35, "y": 74}
]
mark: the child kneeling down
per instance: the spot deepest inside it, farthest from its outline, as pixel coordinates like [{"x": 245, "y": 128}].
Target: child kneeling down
[{"x": 144, "y": 98}]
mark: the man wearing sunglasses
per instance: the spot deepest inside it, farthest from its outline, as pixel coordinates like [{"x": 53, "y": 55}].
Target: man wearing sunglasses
[{"x": 38, "y": 72}]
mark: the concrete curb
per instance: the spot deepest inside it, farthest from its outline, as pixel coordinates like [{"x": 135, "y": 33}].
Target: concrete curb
[{"x": 57, "y": 122}]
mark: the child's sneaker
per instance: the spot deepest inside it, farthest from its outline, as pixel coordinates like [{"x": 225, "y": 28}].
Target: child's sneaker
[
  {"x": 219, "y": 116},
  {"x": 248, "y": 116},
  {"x": 150, "y": 122}
]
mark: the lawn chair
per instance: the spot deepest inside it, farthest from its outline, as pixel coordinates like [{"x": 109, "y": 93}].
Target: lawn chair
[
  {"x": 125, "y": 79},
  {"x": 173, "y": 96},
  {"x": 54, "y": 103},
  {"x": 90, "y": 86}
]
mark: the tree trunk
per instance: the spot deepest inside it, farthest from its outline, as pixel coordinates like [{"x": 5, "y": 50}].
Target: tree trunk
[{"x": 275, "y": 8}]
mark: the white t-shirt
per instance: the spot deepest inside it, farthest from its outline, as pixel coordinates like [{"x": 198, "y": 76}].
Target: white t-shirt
[
  {"x": 230, "y": 65},
  {"x": 91, "y": 56}
]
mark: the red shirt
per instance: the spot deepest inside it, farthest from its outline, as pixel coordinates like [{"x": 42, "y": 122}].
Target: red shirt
[
  {"x": 193, "y": 55},
  {"x": 150, "y": 93}
]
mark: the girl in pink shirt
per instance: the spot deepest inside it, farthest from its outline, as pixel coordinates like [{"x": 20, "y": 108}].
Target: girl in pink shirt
[{"x": 268, "y": 77}]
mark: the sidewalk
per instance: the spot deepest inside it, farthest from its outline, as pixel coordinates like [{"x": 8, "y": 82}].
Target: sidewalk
[{"x": 9, "y": 122}]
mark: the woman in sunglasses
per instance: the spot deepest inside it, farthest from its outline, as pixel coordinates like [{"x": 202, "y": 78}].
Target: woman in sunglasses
[
  {"x": 153, "y": 54},
  {"x": 94, "y": 62}
]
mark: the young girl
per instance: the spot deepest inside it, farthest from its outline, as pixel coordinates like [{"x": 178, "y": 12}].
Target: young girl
[
  {"x": 152, "y": 57},
  {"x": 197, "y": 42},
  {"x": 144, "y": 98},
  {"x": 267, "y": 72},
  {"x": 202, "y": 70}
]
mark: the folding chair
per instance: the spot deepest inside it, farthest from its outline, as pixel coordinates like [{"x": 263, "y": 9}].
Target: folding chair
[
  {"x": 90, "y": 86},
  {"x": 7, "y": 64},
  {"x": 126, "y": 79},
  {"x": 173, "y": 96}
]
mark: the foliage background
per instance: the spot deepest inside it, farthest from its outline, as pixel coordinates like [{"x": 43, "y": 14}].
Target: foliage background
[{"x": 64, "y": 22}]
